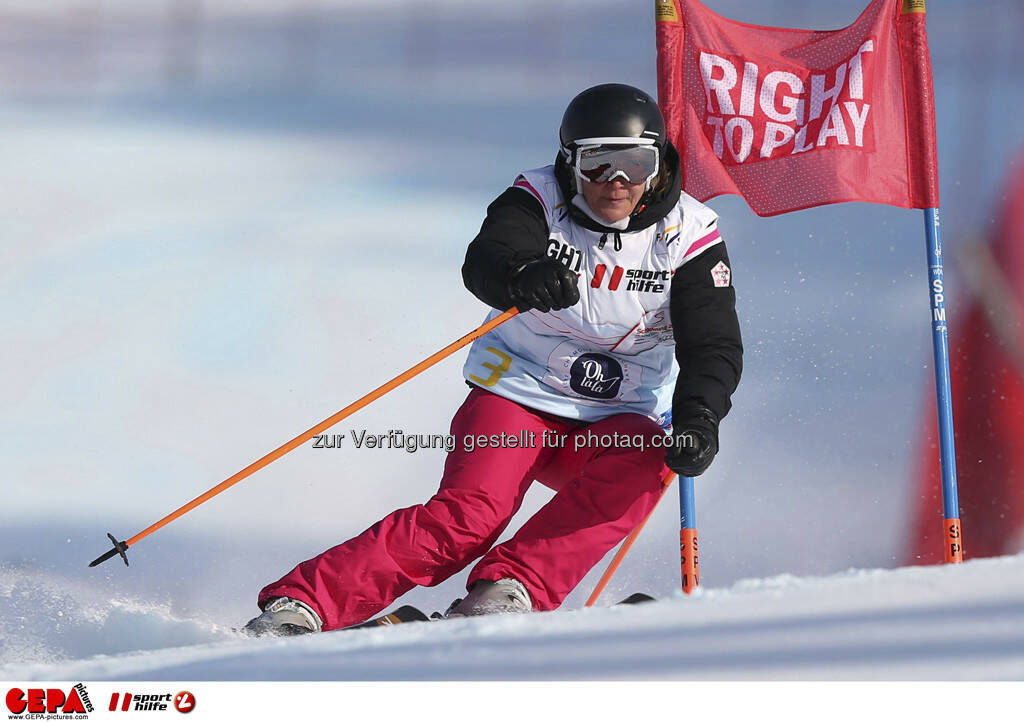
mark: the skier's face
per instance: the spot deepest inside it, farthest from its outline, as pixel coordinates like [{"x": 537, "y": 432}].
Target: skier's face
[{"x": 614, "y": 200}]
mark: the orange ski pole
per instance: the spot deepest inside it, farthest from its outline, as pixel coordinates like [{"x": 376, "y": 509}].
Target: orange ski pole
[
  {"x": 666, "y": 482},
  {"x": 120, "y": 547}
]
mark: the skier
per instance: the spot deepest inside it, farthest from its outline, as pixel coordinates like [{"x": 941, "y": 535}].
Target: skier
[{"x": 612, "y": 268}]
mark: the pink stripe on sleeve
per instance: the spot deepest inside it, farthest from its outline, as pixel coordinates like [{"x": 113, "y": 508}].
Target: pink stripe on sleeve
[
  {"x": 525, "y": 185},
  {"x": 702, "y": 242}
]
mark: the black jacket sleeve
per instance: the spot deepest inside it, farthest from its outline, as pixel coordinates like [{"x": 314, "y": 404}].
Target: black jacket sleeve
[
  {"x": 708, "y": 344},
  {"x": 514, "y": 232}
]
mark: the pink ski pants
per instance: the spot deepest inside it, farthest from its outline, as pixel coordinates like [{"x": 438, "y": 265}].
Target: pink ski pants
[{"x": 603, "y": 490}]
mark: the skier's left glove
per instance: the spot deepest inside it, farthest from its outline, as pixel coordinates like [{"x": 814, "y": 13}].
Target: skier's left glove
[{"x": 695, "y": 443}]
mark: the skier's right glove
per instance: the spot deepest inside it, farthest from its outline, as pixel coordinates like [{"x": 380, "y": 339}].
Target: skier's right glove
[
  {"x": 544, "y": 284},
  {"x": 695, "y": 443}
]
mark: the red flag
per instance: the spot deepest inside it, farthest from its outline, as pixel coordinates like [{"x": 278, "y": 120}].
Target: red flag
[
  {"x": 791, "y": 119},
  {"x": 987, "y": 368}
]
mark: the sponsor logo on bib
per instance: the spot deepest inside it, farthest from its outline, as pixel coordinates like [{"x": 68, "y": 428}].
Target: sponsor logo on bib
[{"x": 596, "y": 376}]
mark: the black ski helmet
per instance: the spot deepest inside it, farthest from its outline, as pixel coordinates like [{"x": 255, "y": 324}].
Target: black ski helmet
[{"x": 611, "y": 110}]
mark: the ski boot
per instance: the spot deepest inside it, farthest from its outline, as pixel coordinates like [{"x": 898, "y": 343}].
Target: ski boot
[
  {"x": 284, "y": 617},
  {"x": 505, "y": 596}
]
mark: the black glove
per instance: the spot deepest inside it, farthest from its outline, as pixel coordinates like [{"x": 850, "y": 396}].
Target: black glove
[
  {"x": 545, "y": 284},
  {"x": 695, "y": 443}
]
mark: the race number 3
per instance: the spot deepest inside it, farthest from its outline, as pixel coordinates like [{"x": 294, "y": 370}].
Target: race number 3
[{"x": 496, "y": 369}]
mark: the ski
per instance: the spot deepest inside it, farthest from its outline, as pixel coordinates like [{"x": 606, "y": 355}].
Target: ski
[
  {"x": 636, "y": 598},
  {"x": 402, "y": 615},
  {"x": 409, "y": 613}
]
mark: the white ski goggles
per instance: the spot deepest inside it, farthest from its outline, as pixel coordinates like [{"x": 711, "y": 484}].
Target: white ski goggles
[{"x": 607, "y": 160}]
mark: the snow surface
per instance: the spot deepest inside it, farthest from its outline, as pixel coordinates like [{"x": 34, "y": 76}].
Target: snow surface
[{"x": 962, "y": 622}]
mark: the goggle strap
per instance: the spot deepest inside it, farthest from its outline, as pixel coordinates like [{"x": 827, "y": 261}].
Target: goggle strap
[{"x": 616, "y": 140}]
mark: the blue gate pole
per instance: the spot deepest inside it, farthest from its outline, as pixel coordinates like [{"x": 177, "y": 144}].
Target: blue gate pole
[
  {"x": 952, "y": 533},
  {"x": 688, "y": 535}
]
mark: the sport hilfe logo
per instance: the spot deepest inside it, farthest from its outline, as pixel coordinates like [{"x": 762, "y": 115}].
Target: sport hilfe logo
[
  {"x": 36, "y": 700},
  {"x": 184, "y": 702},
  {"x": 133, "y": 702},
  {"x": 637, "y": 279}
]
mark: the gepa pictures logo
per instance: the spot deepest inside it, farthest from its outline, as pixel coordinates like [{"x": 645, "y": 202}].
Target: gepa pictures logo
[
  {"x": 757, "y": 113},
  {"x": 37, "y": 701}
]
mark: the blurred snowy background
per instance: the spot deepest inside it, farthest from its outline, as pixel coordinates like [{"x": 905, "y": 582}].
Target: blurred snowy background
[{"x": 222, "y": 221}]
